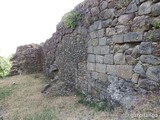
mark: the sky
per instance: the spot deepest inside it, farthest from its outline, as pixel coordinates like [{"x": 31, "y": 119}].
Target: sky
[{"x": 29, "y": 21}]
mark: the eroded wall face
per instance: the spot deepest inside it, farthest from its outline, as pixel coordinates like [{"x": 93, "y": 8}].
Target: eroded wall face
[{"x": 113, "y": 53}]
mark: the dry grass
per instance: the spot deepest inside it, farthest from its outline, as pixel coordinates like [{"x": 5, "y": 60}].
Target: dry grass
[{"x": 26, "y": 102}]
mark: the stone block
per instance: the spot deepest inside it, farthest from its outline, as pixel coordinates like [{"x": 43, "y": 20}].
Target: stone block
[
  {"x": 107, "y": 13},
  {"x": 145, "y": 8},
  {"x": 94, "y": 42},
  {"x": 102, "y": 77},
  {"x": 124, "y": 71},
  {"x": 95, "y": 11},
  {"x": 118, "y": 39},
  {"x": 133, "y": 37},
  {"x": 153, "y": 73},
  {"x": 108, "y": 59},
  {"x": 132, "y": 7},
  {"x": 98, "y": 25},
  {"x": 155, "y": 10},
  {"x": 97, "y": 50},
  {"x": 119, "y": 59},
  {"x": 150, "y": 59},
  {"x": 139, "y": 69},
  {"x": 145, "y": 47},
  {"x": 102, "y": 41},
  {"x": 91, "y": 58},
  {"x": 104, "y": 50},
  {"x": 90, "y": 49},
  {"x": 100, "y": 33},
  {"x": 100, "y": 68},
  {"x": 95, "y": 75},
  {"x": 130, "y": 60},
  {"x": 148, "y": 84},
  {"x": 91, "y": 66},
  {"x": 99, "y": 59},
  {"x": 124, "y": 19},
  {"x": 111, "y": 70},
  {"x": 103, "y": 5},
  {"x": 93, "y": 35},
  {"x": 110, "y": 31},
  {"x": 135, "y": 78}
]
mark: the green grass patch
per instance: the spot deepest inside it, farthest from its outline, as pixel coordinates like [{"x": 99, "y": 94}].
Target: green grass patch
[
  {"x": 46, "y": 114},
  {"x": 102, "y": 105},
  {"x": 6, "y": 91}
]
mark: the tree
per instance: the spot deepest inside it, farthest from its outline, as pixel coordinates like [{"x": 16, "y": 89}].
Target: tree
[{"x": 5, "y": 66}]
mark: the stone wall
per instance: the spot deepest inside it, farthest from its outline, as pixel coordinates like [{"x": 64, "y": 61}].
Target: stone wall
[
  {"x": 113, "y": 53},
  {"x": 26, "y": 60}
]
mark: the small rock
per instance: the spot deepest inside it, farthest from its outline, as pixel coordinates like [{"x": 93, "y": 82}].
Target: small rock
[{"x": 45, "y": 87}]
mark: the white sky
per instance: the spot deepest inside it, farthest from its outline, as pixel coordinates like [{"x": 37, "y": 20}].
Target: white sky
[{"x": 29, "y": 21}]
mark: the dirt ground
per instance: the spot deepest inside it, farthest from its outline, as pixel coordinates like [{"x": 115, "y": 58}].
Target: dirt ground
[{"x": 21, "y": 99}]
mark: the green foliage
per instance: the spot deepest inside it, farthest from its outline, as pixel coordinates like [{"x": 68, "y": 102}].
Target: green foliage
[
  {"x": 125, "y": 2},
  {"x": 5, "y": 66},
  {"x": 156, "y": 24},
  {"x": 150, "y": 36},
  {"x": 71, "y": 19},
  {"x": 102, "y": 105}
]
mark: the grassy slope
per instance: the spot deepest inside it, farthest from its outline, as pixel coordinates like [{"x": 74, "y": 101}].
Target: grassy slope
[{"x": 24, "y": 101}]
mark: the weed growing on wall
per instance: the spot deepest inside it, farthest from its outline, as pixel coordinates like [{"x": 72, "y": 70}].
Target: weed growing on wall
[
  {"x": 156, "y": 24},
  {"x": 102, "y": 105},
  {"x": 71, "y": 19}
]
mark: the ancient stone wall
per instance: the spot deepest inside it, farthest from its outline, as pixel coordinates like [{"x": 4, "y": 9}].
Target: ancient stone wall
[
  {"x": 26, "y": 60},
  {"x": 113, "y": 53}
]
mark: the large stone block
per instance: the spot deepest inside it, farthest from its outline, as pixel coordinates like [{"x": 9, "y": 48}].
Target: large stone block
[
  {"x": 150, "y": 59},
  {"x": 153, "y": 73},
  {"x": 124, "y": 19},
  {"x": 124, "y": 71},
  {"x": 95, "y": 11},
  {"x": 148, "y": 84},
  {"x": 100, "y": 33},
  {"x": 90, "y": 49},
  {"x": 145, "y": 47},
  {"x": 102, "y": 41},
  {"x": 118, "y": 39},
  {"x": 91, "y": 58},
  {"x": 99, "y": 59},
  {"x": 111, "y": 70},
  {"x": 108, "y": 59},
  {"x": 91, "y": 66},
  {"x": 107, "y": 13},
  {"x": 132, "y": 7},
  {"x": 156, "y": 9},
  {"x": 104, "y": 50},
  {"x": 97, "y": 50},
  {"x": 145, "y": 8},
  {"x": 119, "y": 58},
  {"x": 100, "y": 68},
  {"x": 139, "y": 69},
  {"x": 133, "y": 37}
]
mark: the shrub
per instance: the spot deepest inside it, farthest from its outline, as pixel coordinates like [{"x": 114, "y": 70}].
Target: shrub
[
  {"x": 5, "y": 66},
  {"x": 71, "y": 19}
]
